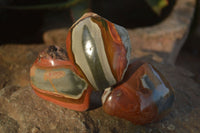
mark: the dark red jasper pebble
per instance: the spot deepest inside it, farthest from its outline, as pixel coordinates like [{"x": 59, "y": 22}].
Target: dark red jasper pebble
[{"x": 143, "y": 97}]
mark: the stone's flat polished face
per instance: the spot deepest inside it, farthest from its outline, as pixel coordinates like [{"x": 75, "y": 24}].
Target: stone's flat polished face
[
  {"x": 100, "y": 49},
  {"x": 55, "y": 79},
  {"x": 162, "y": 92},
  {"x": 144, "y": 96},
  {"x": 90, "y": 54},
  {"x": 59, "y": 81}
]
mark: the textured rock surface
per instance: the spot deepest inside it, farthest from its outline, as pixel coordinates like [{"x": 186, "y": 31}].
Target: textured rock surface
[
  {"x": 21, "y": 111},
  {"x": 161, "y": 42}
]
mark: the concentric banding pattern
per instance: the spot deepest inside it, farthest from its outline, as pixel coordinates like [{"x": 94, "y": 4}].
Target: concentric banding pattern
[
  {"x": 61, "y": 81},
  {"x": 89, "y": 54}
]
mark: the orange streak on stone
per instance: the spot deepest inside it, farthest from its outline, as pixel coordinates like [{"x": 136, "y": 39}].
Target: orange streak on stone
[
  {"x": 69, "y": 46},
  {"x": 81, "y": 104},
  {"x": 121, "y": 62},
  {"x": 53, "y": 74},
  {"x": 53, "y": 85},
  {"x": 115, "y": 50}
]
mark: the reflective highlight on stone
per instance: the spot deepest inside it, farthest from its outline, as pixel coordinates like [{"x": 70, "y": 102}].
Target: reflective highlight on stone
[
  {"x": 55, "y": 79},
  {"x": 98, "y": 57},
  {"x": 100, "y": 49},
  {"x": 144, "y": 97}
]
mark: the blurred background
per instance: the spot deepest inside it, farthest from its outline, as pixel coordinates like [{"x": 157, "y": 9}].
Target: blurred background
[
  {"x": 24, "y": 21},
  {"x": 165, "y": 32}
]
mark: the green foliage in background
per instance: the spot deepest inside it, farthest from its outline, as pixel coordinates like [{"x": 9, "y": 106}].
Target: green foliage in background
[{"x": 157, "y": 5}]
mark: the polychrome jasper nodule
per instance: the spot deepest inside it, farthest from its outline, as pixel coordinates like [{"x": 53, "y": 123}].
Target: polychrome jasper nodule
[
  {"x": 97, "y": 58},
  {"x": 56, "y": 79},
  {"x": 144, "y": 96},
  {"x": 101, "y": 49}
]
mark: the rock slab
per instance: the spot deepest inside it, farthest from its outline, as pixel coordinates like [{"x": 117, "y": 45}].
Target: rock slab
[{"x": 22, "y": 111}]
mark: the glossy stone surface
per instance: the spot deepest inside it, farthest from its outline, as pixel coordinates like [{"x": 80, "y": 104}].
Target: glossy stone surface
[
  {"x": 55, "y": 79},
  {"x": 144, "y": 97},
  {"x": 100, "y": 49}
]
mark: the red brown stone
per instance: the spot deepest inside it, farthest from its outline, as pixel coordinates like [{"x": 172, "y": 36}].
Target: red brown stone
[{"x": 144, "y": 97}]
